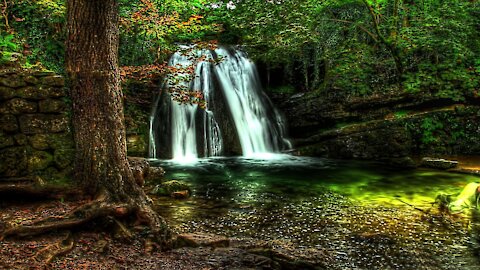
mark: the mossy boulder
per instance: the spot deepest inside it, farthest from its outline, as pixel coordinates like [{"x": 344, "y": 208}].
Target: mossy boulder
[
  {"x": 170, "y": 187},
  {"x": 61, "y": 141},
  {"x": 32, "y": 92}
]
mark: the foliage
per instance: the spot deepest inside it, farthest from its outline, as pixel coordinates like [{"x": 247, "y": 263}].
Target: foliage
[
  {"x": 7, "y": 47},
  {"x": 341, "y": 47},
  {"x": 430, "y": 127}
]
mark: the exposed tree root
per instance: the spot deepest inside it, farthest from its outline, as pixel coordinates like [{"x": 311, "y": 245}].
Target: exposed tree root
[
  {"x": 101, "y": 212},
  {"x": 75, "y": 219}
]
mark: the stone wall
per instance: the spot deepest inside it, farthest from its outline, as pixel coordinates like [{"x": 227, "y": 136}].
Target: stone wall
[{"x": 35, "y": 133}]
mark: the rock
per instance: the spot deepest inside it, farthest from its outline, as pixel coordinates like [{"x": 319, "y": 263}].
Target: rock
[
  {"x": 183, "y": 194},
  {"x": 169, "y": 187},
  {"x": 35, "y": 124},
  {"x": 201, "y": 240},
  {"x": 43, "y": 73},
  {"x": 32, "y": 92},
  {"x": 52, "y": 106},
  {"x": 155, "y": 174},
  {"x": 31, "y": 80},
  {"x": 18, "y": 106},
  {"x": 13, "y": 162},
  {"x": 438, "y": 163},
  {"x": 8, "y": 123},
  {"x": 6, "y": 140},
  {"x": 6, "y": 93},
  {"x": 63, "y": 157},
  {"x": 12, "y": 81},
  {"x": 56, "y": 92},
  {"x": 21, "y": 139},
  {"x": 55, "y": 80},
  {"x": 39, "y": 160},
  {"x": 39, "y": 141}
]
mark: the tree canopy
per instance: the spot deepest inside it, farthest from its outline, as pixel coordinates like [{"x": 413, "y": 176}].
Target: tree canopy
[{"x": 354, "y": 47}]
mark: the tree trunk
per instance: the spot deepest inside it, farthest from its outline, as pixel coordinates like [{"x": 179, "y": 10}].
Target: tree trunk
[{"x": 101, "y": 164}]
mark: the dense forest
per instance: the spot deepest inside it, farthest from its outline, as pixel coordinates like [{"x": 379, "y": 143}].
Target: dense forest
[
  {"x": 242, "y": 134},
  {"x": 341, "y": 47}
]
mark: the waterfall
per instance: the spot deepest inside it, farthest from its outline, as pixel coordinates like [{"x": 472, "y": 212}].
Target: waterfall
[{"x": 237, "y": 112}]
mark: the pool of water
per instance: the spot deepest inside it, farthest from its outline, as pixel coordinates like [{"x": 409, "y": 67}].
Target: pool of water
[{"x": 365, "y": 215}]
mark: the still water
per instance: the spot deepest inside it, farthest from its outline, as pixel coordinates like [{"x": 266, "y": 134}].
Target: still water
[{"x": 365, "y": 215}]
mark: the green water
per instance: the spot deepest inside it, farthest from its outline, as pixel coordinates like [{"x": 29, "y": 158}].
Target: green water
[{"x": 367, "y": 216}]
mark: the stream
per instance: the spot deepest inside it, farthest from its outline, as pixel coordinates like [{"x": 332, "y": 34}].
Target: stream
[{"x": 364, "y": 215}]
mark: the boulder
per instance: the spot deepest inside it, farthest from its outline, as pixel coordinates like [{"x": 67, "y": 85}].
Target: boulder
[
  {"x": 170, "y": 187},
  {"x": 201, "y": 240},
  {"x": 438, "y": 163}
]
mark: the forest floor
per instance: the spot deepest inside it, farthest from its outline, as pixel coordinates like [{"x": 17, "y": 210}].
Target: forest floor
[
  {"x": 348, "y": 236},
  {"x": 92, "y": 249}
]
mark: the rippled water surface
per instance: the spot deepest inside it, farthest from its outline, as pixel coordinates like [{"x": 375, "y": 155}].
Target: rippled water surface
[{"x": 365, "y": 215}]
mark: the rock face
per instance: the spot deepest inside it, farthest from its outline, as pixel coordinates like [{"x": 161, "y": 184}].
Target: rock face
[
  {"x": 35, "y": 135},
  {"x": 390, "y": 128}
]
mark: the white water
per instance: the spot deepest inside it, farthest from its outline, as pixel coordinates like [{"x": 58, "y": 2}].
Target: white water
[
  {"x": 259, "y": 127},
  {"x": 240, "y": 83}
]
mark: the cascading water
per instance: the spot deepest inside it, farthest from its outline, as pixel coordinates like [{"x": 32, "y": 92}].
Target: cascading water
[{"x": 232, "y": 91}]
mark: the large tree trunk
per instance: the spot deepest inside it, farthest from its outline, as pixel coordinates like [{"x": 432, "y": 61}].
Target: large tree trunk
[{"x": 101, "y": 164}]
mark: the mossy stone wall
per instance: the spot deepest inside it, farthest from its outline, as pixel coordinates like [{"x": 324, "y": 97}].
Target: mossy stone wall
[{"x": 35, "y": 132}]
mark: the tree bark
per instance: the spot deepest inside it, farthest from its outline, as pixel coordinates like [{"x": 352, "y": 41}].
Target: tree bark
[{"x": 101, "y": 165}]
